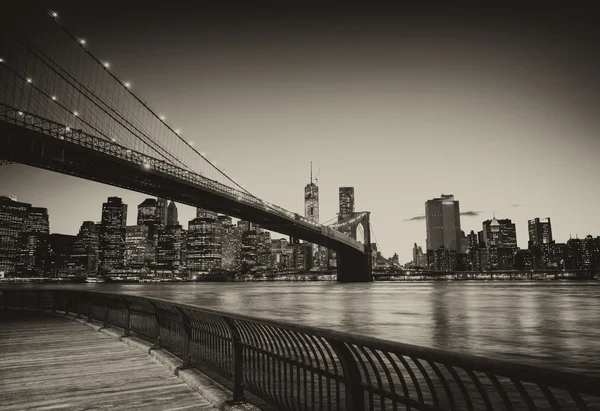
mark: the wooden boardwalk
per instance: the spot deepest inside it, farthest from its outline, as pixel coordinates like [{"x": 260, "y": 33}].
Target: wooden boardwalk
[{"x": 53, "y": 363}]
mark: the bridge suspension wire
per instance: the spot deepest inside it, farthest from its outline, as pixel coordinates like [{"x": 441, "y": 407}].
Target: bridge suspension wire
[
  {"x": 144, "y": 104},
  {"x": 379, "y": 248}
]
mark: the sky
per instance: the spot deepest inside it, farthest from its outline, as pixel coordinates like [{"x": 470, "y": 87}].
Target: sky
[{"x": 498, "y": 106}]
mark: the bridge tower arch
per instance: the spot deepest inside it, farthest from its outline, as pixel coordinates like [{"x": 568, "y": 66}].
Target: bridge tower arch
[{"x": 354, "y": 265}]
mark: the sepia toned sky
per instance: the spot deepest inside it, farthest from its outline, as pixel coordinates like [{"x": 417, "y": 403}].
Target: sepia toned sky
[{"x": 498, "y": 106}]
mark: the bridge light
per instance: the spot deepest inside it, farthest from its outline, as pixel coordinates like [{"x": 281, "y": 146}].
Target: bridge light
[
  {"x": 75, "y": 113},
  {"x": 1, "y": 60},
  {"x": 20, "y": 113},
  {"x": 54, "y": 14},
  {"x": 177, "y": 131},
  {"x": 67, "y": 128},
  {"x": 106, "y": 64},
  {"x": 162, "y": 118},
  {"x": 146, "y": 165},
  {"x": 128, "y": 151},
  {"x": 53, "y": 98},
  {"x": 127, "y": 84},
  {"x": 113, "y": 140},
  {"x": 82, "y": 42},
  {"x": 203, "y": 154},
  {"x": 29, "y": 80},
  {"x": 191, "y": 143}
]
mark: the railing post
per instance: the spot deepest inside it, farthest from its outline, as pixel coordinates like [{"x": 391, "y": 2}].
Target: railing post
[
  {"x": 89, "y": 313},
  {"x": 127, "y": 329},
  {"x": 78, "y": 305},
  {"x": 186, "y": 338},
  {"x": 238, "y": 362},
  {"x": 355, "y": 395},
  {"x": 67, "y": 302},
  {"x": 156, "y": 327},
  {"x": 105, "y": 325}
]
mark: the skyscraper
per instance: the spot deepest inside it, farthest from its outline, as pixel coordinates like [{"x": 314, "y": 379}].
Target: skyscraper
[
  {"x": 85, "y": 250},
  {"x": 138, "y": 251},
  {"x": 443, "y": 223},
  {"x": 540, "y": 231},
  {"x": 12, "y": 223},
  {"x": 500, "y": 233},
  {"x": 168, "y": 249},
  {"x": 147, "y": 212},
  {"x": 33, "y": 242},
  {"x": 204, "y": 245},
  {"x": 311, "y": 212},
  {"x": 172, "y": 214},
  {"x": 112, "y": 234},
  {"x": 161, "y": 210},
  {"x": 311, "y": 200},
  {"x": 346, "y": 201}
]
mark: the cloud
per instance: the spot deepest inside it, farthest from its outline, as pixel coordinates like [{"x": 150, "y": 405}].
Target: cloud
[
  {"x": 471, "y": 213},
  {"x": 517, "y": 205},
  {"x": 416, "y": 218}
]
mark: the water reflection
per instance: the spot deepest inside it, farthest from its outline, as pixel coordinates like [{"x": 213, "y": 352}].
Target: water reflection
[{"x": 552, "y": 324}]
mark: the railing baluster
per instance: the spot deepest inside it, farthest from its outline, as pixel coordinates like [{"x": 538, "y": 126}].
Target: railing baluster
[
  {"x": 355, "y": 395},
  {"x": 238, "y": 361}
]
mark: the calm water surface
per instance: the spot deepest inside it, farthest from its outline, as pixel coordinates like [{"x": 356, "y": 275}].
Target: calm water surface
[{"x": 553, "y": 324}]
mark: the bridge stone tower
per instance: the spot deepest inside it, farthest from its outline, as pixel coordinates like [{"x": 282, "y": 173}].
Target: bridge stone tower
[{"x": 353, "y": 265}]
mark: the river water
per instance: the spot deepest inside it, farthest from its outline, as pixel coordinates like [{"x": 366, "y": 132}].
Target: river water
[{"x": 552, "y": 324}]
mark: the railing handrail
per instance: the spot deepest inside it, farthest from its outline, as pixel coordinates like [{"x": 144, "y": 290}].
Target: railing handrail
[{"x": 584, "y": 383}]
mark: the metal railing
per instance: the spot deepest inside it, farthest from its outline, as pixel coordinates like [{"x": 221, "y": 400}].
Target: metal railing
[
  {"x": 59, "y": 131},
  {"x": 296, "y": 367}
]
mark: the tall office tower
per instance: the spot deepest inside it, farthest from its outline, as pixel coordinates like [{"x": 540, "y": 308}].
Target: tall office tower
[
  {"x": 443, "y": 223},
  {"x": 311, "y": 200},
  {"x": 138, "y": 250},
  {"x": 112, "y": 234},
  {"x": 250, "y": 240},
  {"x": 84, "y": 256},
  {"x": 184, "y": 239},
  {"x": 148, "y": 215},
  {"x": 245, "y": 225},
  {"x": 12, "y": 223},
  {"x": 540, "y": 231},
  {"x": 204, "y": 246},
  {"x": 500, "y": 233},
  {"x": 172, "y": 214},
  {"x": 263, "y": 250},
  {"x": 346, "y": 202},
  {"x": 232, "y": 248},
  {"x": 311, "y": 212},
  {"x": 58, "y": 261},
  {"x": 168, "y": 249},
  {"x": 33, "y": 242},
  {"x": 161, "y": 210}
]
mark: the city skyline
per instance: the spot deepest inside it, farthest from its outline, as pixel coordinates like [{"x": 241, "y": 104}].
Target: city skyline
[{"x": 514, "y": 112}]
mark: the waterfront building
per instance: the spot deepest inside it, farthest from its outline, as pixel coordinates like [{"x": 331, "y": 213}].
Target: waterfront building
[
  {"x": 311, "y": 212},
  {"x": 583, "y": 254},
  {"x": 263, "y": 251},
  {"x": 12, "y": 222},
  {"x": 499, "y": 233},
  {"x": 149, "y": 215},
  {"x": 346, "y": 202},
  {"x": 232, "y": 248},
  {"x": 540, "y": 231},
  {"x": 442, "y": 259},
  {"x": 33, "y": 243},
  {"x": 184, "y": 241},
  {"x": 85, "y": 253},
  {"x": 250, "y": 239},
  {"x": 442, "y": 217},
  {"x": 395, "y": 260},
  {"x": 204, "y": 245},
  {"x": 172, "y": 214},
  {"x": 138, "y": 249},
  {"x": 161, "y": 210},
  {"x": 112, "y": 234},
  {"x": 59, "y": 261},
  {"x": 523, "y": 260},
  {"x": 245, "y": 225},
  {"x": 419, "y": 258},
  {"x": 168, "y": 248}
]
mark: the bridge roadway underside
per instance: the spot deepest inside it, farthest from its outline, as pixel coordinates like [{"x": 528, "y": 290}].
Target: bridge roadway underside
[{"x": 22, "y": 145}]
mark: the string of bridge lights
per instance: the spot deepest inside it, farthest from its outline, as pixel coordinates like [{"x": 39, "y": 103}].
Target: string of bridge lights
[{"x": 106, "y": 65}]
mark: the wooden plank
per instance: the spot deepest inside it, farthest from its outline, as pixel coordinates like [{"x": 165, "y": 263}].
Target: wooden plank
[{"x": 53, "y": 363}]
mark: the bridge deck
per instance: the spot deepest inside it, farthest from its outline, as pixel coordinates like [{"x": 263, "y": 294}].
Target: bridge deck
[{"x": 49, "y": 362}]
